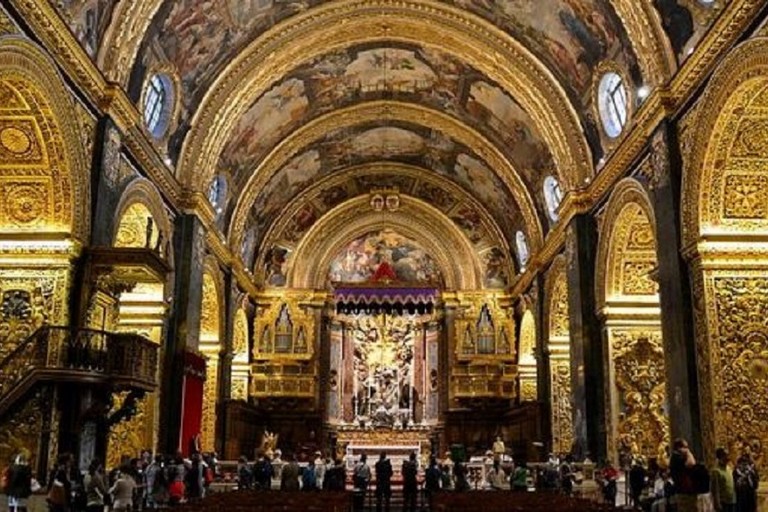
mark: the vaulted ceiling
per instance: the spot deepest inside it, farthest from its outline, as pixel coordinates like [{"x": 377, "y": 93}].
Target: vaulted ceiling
[{"x": 465, "y": 105}]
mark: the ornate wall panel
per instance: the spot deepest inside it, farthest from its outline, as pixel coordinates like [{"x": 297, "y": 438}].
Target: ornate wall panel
[
  {"x": 127, "y": 438},
  {"x": 558, "y": 336},
  {"x": 639, "y": 420},
  {"x": 42, "y": 165},
  {"x": 734, "y": 356},
  {"x": 240, "y": 345},
  {"x": 210, "y": 339},
  {"x": 562, "y": 406}
]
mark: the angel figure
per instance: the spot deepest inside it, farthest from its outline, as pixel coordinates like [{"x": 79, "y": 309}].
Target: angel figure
[{"x": 269, "y": 443}]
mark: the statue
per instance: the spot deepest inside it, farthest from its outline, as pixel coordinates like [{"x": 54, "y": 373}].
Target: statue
[
  {"x": 499, "y": 450},
  {"x": 269, "y": 443}
]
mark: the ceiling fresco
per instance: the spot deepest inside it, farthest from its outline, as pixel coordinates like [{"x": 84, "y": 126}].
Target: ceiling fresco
[
  {"x": 88, "y": 20},
  {"x": 403, "y": 73},
  {"x": 413, "y": 145}
]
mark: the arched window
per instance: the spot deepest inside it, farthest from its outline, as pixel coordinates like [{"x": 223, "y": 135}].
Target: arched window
[
  {"x": 553, "y": 196},
  {"x": 612, "y": 104},
  {"x": 523, "y": 253},
  {"x": 158, "y": 104}
]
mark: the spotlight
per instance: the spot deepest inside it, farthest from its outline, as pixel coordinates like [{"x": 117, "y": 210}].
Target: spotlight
[{"x": 643, "y": 92}]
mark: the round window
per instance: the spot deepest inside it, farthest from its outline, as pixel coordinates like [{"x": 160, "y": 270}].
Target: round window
[{"x": 612, "y": 104}]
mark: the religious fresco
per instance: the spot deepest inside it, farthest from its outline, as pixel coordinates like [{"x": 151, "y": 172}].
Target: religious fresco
[
  {"x": 571, "y": 36},
  {"x": 411, "y": 145},
  {"x": 405, "y": 73},
  {"x": 88, "y": 20},
  {"x": 360, "y": 259},
  {"x": 686, "y": 22}
]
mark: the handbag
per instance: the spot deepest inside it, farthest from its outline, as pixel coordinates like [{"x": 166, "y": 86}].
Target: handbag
[{"x": 57, "y": 494}]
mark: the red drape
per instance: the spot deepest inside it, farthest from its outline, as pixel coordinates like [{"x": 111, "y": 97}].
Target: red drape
[{"x": 192, "y": 404}]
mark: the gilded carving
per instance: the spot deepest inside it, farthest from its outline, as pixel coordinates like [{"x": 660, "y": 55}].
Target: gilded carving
[
  {"x": 562, "y": 407},
  {"x": 638, "y": 362},
  {"x": 482, "y": 321},
  {"x": 126, "y": 437},
  {"x": 746, "y": 196},
  {"x": 558, "y": 313},
  {"x": 7, "y": 26},
  {"x": 240, "y": 334},
  {"x": 209, "y": 310},
  {"x": 738, "y": 359},
  {"x": 22, "y": 429},
  {"x": 636, "y": 277},
  {"x": 290, "y": 316},
  {"x": 527, "y": 358},
  {"x": 210, "y": 395}
]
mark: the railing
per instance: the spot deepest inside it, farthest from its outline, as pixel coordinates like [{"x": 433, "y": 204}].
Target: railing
[{"x": 121, "y": 359}]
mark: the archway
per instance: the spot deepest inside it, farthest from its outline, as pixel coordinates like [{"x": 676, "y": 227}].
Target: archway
[
  {"x": 558, "y": 343},
  {"x": 140, "y": 223},
  {"x": 42, "y": 170},
  {"x": 527, "y": 358},
  {"x": 628, "y": 304},
  {"x": 726, "y": 234}
]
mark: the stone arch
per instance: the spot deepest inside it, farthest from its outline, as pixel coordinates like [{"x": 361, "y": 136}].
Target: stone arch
[
  {"x": 527, "y": 358},
  {"x": 725, "y": 229},
  {"x": 628, "y": 305},
  {"x": 558, "y": 344},
  {"x": 46, "y": 183},
  {"x": 459, "y": 265}
]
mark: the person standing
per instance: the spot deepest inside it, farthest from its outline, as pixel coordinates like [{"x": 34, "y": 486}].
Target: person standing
[
  {"x": 321, "y": 466},
  {"x": 681, "y": 464},
  {"x": 745, "y": 479},
  {"x": 289, "y": 478},
  {"x": 19, "y": 487},
  {"x": 59, "y": 485},
  {"x": 432, "y": 477},
  {"x": 123, "y": 491},
  {"x": 95, "y": 488},
  {"x": 410, "y": 471},
  {"x": 496, "y": 477},
  {"x": 383, "y": 482},
  {"x": 361, "y": 477},
  {"x": 309, "y": 477},
  {"x": 519, "y": 477},
  {"x": 722, "y": 486},
  {"x": 336, "y": 477}
]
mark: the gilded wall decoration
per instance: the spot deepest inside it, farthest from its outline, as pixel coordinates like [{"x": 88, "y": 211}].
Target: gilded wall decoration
[
  {"x": 127, "y": 438},
  {"x": 738, "y": 350},
  {"x": 746, "y": 196},
  {"x": 31, "y": 297},
  {"x": 285, "y": 328},
  {"x": 636, "y": 278},
  {"x": 642, "y": 420},
  {"x": 562, "y": 406},
  {"x": 483, "y": 327},
  {"x": 210, "y": 399},
  {"x": 7, "y": 26},
  {"x": 137, "y": 228},
  {"x": 240, "y": 369},
  {"x": 22, "y": 429},
  {"x": 209, "y": 311},
  {"x": 558, "y": 313}
]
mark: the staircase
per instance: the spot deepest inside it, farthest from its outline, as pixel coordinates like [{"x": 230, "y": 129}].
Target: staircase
[{"x": 63, "y": 354}]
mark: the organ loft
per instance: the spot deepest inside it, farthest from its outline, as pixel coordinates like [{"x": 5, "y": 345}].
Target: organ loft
[{"x": 529, "y": 228}]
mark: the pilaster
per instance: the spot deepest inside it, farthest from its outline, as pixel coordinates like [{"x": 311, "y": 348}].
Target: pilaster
[
  {"x": 587, "y": 347},
  {"x": 674, "y": 289}
]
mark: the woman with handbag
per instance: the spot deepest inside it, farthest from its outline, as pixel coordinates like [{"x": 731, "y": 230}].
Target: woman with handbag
[
  {"x": 95, "y": 489},
  {"x": 60, "y": 486}
]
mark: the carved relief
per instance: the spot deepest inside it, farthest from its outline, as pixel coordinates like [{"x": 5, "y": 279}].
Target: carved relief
[
  {"x": 746, "y": 196},
  {"x": 22, "y": 429},
  {"x": 6, "y": 24},
  {"x": 638, "y": 362},
  {"x": 209, "y": 310},
  {"x": 738, "y": 348},
  {"x": 210, "y": 395},
  {"x": 636, "y": 277},
  {"x": 240, "y": 334},
  {"x": 558, "y": 313},
  {"x": 126, "y": 437},
  {"x": 30, "y": 298},
  {"x": 562, "y": 408},
  {"x": 137, "y": 228}
]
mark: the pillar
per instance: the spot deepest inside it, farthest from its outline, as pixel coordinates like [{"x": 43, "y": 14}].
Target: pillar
[
  {"x": 183, "y": 332},
  {"x": 587, "y": 347},
  {"x": 674, "y": 288}
]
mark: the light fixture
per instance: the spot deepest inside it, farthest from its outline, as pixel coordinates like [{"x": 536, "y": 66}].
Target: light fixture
[{"x": 643, "y": 91}]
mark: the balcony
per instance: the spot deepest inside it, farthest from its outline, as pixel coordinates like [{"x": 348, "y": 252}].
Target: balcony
[{"x": 62, "y": 354}]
